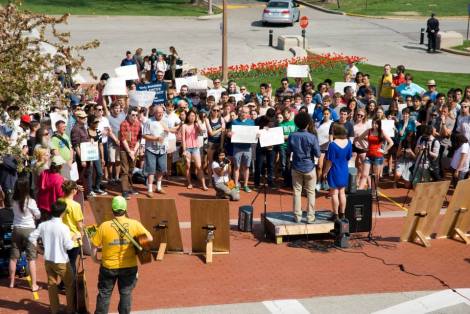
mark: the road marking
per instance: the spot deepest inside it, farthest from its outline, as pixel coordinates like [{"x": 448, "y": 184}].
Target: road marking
[
  {"x": 430, "y": 303},
  {"x": 285, "y": 307}
]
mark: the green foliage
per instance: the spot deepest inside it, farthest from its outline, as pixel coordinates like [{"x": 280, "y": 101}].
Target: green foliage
[
  {"x": 388, "y": 7},
  {"x": 116, "y": 7},
  {"x": 32, "y": 52}
]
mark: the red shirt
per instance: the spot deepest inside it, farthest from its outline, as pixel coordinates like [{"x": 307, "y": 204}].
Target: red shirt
[
  {"x": 131, "y": 133},
  {"x": 375, "y": 146},
  {"x": 49, "y": 189}
]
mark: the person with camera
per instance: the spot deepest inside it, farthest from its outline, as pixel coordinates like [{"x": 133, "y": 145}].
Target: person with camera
[
  {"x": 221, "y": 169},
  {"x": 427, "y": 149}
]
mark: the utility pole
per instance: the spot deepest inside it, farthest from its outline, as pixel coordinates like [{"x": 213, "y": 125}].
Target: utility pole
[
  {"x": 224, "y": 44},
  {"x": 209, "y": 11}
]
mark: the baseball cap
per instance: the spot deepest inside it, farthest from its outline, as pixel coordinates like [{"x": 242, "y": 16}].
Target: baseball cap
[
  {"x": 26, "y": 118},
  {"x": 58, "y": 160},
  {"x": 119, "y": 204},
  {"x": 80, "y": 114}
]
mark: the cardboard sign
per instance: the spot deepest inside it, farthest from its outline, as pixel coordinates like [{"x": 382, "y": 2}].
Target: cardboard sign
[
  {"x": 296, "y": 70},
  {"x": 127, "y": 72},
  {"x": 141, "y": 98},
  {"x": 160, "y": 89},
  {"x": 245, "y": 134},
  {"x": 115, "y": 86},
  {"x": 339, "y": 87},
  {"x": 55, "y": 116},
  {"x": 89, "y": 151},
  {"x": 271, "y": 137}
]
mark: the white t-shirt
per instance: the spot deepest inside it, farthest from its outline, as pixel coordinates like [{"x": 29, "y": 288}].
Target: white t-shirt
[
  {"x": 26, "y": 219},
  {"x": 104, "y": 126},
  {"x": 464, "y": 149},
  {"x": 217, "y": 179},
  {"x": 115, "y": 122}
]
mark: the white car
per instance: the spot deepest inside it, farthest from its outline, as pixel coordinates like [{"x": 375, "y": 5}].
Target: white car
[{"x": 281, "y": 11}]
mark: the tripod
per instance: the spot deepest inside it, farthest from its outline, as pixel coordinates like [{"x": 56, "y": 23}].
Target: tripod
[{"x": 419, "y": 167}]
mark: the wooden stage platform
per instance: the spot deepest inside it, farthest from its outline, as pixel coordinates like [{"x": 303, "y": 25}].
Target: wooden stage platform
[{"x": 280, "y": 224}]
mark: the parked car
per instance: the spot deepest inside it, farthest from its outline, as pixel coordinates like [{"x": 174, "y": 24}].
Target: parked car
[{"x": 281, "y": 11}]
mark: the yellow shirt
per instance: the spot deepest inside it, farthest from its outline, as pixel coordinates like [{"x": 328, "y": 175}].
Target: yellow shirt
[
  {"x": 117, "y": 251},
  {"x": 72, "y": 216},
  {"x": 386, "y": 90}
]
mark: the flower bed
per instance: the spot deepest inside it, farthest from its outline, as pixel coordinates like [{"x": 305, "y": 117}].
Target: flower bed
[{"x": 278, "y": 67}]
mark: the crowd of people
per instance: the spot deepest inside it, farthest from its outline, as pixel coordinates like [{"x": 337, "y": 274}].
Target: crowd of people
[{"x": 189, "y": 133}]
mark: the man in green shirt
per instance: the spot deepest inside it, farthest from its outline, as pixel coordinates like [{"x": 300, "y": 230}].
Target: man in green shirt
[
  {"x": 61, "y": 145},
  {"x": 288, "y": 127}
]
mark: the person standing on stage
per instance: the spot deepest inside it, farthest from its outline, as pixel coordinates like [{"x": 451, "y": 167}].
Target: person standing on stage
[
  {"x": 432, "y": 29},
  {"x": 336, "y": 168},
  {"x": 118, "y": 257},
  {"x": 304, "y": 147}
]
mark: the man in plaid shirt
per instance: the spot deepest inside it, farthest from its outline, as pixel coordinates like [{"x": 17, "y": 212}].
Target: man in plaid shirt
[{"x": 130, "y": 133}]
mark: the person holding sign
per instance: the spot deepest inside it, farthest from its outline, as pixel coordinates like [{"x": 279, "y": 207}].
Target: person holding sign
[
  {"x": 304, "y": 147},
  {"x": 155, "y": 132},
  {"x": 95, "y": 166},
  {"x": 78, "y": 136}
]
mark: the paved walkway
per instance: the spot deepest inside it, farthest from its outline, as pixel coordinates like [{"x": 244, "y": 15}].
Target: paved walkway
[{"x": 199, "y": 41}]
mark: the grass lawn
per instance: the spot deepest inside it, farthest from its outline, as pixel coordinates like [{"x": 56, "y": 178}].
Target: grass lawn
[
  {"x": 116, "y": 7},
  {"x": 399, "y": 7},
  {"x": 466, "y": 44},
  {"x": 444, "y": 81}
]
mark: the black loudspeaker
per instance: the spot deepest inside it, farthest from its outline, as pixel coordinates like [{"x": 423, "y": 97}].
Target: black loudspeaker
[
  {"x": 352, "y": 179},
  {"x": 359, "y": 211},
  {"x": 245, "y": 218}
]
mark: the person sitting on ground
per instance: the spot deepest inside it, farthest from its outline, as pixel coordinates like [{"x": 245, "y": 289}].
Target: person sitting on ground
[{"x": 221, "y": 169}]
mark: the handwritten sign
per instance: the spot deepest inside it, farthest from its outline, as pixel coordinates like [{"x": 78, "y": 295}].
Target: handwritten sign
[{"x": 89, "y": 151}]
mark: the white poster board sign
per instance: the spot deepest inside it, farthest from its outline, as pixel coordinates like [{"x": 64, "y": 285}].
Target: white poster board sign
[
  {"x": 127, "y": 72},
  {"x": 89, "y": 151},
  {"x": 244, "y": 134},
  {"x": 141, "y": 98},
  {"x": 323, "y": 133},
  {"x": 189, "y": 81},
  {"x": 74, "y": 172},
  {"x": 115, "y": 86},
  {"x": 216, "y": 93},
  {"x": 388, "y": 127},
  {"x": 55, "y": 116},
  {"x": 401, "y": 107},
  {"x": 237, "y": 97},
  {"x": 297, "y": 70},
  {"x": 197, "y": 85},
  {"x": 339, "y": 87},
  {"x": 271, "y": 137}
]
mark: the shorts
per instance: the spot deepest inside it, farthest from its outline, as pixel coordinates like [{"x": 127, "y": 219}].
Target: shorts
[
  {"x": 193, "y": 151},
  {"x": 19, "y": 243},
  {"x": 154, "y": 163},
  {"x": 242, "y": 157},
  {"x": 358, "y": 150},
  {"x": 114, "y": 153},
  {"x": 376, "y": 161}
]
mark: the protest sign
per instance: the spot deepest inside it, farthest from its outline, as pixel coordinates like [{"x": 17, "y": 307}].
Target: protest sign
[
  {"x": 127, "y": 72},
  {"x": 339, "y": 87},
  {"x": 216, "y": 93},
  {"x": 159, "y": 88},
  {"x": 141, "y": 98},
  {"x": 74, "y": 172},
  {"x": 297, "y": 70},
  {"x": 115, "y": 86},
  {"x": 244, "y": 134},
  {"x": 89, "y": 151},
  {"x": 271, "y": 136},
  {"x": 388, "y": 127},
  {"x": 237, "y": 97},
  {"x": 55, "y": 116}
]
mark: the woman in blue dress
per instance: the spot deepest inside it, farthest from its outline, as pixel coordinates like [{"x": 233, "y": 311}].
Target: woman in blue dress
[{"x": 336, "y": 168}]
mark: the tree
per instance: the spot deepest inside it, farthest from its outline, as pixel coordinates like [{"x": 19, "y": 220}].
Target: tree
[{"x": 32, "y": 52}]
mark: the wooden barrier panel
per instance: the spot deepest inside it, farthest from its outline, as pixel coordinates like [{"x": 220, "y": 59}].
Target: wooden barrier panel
[
  {"x": 424, "y": 210},
  {"x": 101, "y": 208},
  {"x": 157, "y": 211},
  {"x": 210, "y": 212},
  {"x": 457, "y": 218}
]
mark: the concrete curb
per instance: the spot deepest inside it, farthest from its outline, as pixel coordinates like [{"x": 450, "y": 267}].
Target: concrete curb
[
  {"x": 210, "y": 17},
  {"x": 319, "y": 8},
  {"x": 456, "y": 52}
]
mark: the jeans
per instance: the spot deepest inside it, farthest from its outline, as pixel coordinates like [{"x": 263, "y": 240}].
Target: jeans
[
  {"x": 96, "y": 164},
  {"x": 73, "y": 254},
  {"x": 126, "y": 279},
  {"x": 285, "y": 166},
  {"x": 308, "y": 182},
  {"x": 264, "y": 157}
]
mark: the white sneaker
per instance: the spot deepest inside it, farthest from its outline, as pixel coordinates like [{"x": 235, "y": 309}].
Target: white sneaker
[{"x": 318, "y": 187}]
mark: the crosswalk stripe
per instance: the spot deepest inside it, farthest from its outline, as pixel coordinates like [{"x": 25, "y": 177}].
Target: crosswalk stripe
[{"x": 285, "y": 307}]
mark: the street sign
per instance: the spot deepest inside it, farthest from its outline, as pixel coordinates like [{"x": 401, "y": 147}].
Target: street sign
[{"x": 303, "y": 22}]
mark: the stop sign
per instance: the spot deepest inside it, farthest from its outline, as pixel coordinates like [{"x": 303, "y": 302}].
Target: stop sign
[{"x": 303, "y": 22}]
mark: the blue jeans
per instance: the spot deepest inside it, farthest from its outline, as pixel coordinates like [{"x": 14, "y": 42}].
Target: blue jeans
[
  {"x": 285, "y": 166},
  {"x": 264, "y": 157},
  {"x": 96, "y": 164},
  {"x": 126, "y": 279}
]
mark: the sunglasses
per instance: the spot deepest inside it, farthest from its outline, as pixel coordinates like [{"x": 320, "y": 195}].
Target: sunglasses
[
  {"x": 360, "y": 115},
  {"x": 215, "y": 110}
]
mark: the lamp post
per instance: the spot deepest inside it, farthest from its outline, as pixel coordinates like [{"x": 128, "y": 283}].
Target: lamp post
[{"x": 224, "y": 44}]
